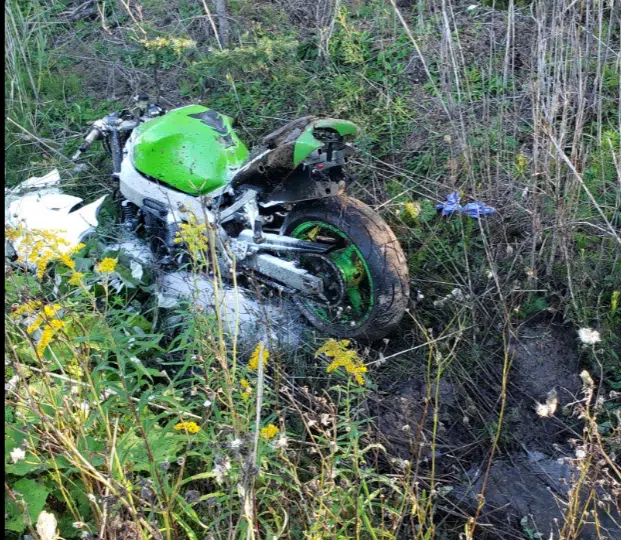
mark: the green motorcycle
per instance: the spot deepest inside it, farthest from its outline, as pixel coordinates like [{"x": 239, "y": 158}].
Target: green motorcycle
[{"x": 280, "y": 213}]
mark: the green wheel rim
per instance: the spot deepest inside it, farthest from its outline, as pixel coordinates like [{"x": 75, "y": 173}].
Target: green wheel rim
[{"x": 359, "y": 289}]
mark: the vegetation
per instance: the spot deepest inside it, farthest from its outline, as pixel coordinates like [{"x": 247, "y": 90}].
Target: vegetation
[{"x": 125, "y": 420}]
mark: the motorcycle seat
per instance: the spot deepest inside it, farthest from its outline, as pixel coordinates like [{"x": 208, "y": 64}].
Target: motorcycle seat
[{"x": 298, "y": 123}]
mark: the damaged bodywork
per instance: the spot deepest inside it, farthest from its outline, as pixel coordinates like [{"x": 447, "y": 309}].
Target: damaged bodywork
[
  {"x": 39, "y": 204},
  {"x": 278, "y": 215}
]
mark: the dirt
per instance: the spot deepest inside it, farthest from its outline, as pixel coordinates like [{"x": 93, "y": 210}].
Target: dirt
[
  {"x": 545, "y": 361},
  {"x": 533, "y": 490},
  {"x": 404, "y": 418},
  {"x": 530, "y": 480}
]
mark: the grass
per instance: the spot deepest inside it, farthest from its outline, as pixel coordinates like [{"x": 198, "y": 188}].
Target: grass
[{"x": 514, "y": 105}]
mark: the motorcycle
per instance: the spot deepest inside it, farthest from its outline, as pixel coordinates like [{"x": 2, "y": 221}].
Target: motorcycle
[{"x": 280, "y": 214}]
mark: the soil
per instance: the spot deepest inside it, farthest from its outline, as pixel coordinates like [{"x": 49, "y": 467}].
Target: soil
[
  {"x": 545, "y": 359},
  {"x": 530, "y": 479},
  {"x": 533, "y": 490}
]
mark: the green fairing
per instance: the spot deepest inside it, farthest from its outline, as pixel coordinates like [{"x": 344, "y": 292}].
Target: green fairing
[
  {"x": 307, "y": 143},
  {"x": 193, "y": 155}
]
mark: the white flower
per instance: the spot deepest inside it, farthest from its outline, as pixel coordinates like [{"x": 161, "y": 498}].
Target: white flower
[
  {"x": 84, "y": 408},
  {"x": 580, "y": 453},
  {"x": 281, "y": 442},
  {"x": 46, "y": 526},
  {"x": 221, "y": 468},
  {"x": 207, "y": 404},
  {"x": 12, "y": 383},
  {"x": 489, "y": 274},
  {"x": 17, "y": 455},
  {"x": 78, "y": 525},
  {"x": 547, "y": 409},
  {"x": 588, "y": 336},
  {"x": 236, "y": 443}
]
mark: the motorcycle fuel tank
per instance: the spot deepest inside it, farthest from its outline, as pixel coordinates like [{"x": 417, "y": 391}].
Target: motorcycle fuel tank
[{"x": 193, "y": 149}]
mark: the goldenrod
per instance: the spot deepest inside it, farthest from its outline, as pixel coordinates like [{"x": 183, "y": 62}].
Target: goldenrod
[
  {"x": 76, "y": 278},
  {"x": 269, "y": 432},
  {"x": 253, "y": 363},
  {"x": 190, "y": 427},
  {"x": 106, "y": 266},
  {"x": 343, "y": 357},
  {"x": 45, "y": 340},
  {"x": 247, "y": 389}
]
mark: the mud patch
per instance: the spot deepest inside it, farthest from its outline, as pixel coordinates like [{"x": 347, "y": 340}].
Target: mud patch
[
  {"x": 545, "y": 363},
  {"x": 405, "y": 419},
  {"x": 532, "y": 492}
]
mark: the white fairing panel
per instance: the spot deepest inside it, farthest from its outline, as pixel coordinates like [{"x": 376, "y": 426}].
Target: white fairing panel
[{"x": 135, "y": 188}]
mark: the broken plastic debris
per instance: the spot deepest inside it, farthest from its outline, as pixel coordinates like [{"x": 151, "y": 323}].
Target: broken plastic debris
[
  {"x": 473, "y": 209},
  {"x": 137, "y": 271},
  {"x": 166, "y": 302},
  {"x": 38, "y": 203}
]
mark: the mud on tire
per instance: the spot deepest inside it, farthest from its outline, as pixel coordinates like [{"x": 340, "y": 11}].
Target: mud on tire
[{"x": 382, "y": 253}]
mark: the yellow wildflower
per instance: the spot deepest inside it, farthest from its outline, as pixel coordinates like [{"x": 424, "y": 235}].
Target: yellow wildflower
[
  {"x": 269, "y": 432},
  {"x": 412, "y": 210},
  {"x": 192, "y": 234},
  {"x": 39, "y": 247},
  {"x": 13, "y": 233},
  {"x": 76, "y": 278},
  {"x": 46, "y": 339},
  {"x": 343, "y": 357},
  {"x": 47, "y": 313},
  {"x": 247, "y": 389},
  {"x": 26, "y": 308},
  {"x": 106, "y": 266},
  {"x": 67, "y": 260},
  {"x": 189, "y": 427},
  {"x": 253, "y": 363},
  {"x": 57, "y": 324},
  {"x": 35, "y": 325},
  {"x": 50, "y": 311}
]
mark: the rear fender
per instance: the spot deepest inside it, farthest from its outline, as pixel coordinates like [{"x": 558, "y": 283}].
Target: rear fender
[{"x": 307, "y": 143}]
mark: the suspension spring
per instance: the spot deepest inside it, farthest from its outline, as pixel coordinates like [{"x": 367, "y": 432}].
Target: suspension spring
[{"x": 129, "y": 212}]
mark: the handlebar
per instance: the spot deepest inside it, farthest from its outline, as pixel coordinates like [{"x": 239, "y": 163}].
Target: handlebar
[
  {"x": 93, "y": 135},
  {"x": 116, "y": 123}
]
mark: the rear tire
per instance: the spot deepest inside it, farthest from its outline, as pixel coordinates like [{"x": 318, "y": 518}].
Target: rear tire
[{"x": 382, "y": 253}]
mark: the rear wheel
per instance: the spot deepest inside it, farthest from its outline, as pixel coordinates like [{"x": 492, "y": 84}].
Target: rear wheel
[{"x": 371, "y": 276}]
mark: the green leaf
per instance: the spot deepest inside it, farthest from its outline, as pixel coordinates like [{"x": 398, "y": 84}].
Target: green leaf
[
  {"x": 191, "y": 534},
  {"x": 33, "y": 494},
  {"x": 164, "y": 447}
]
